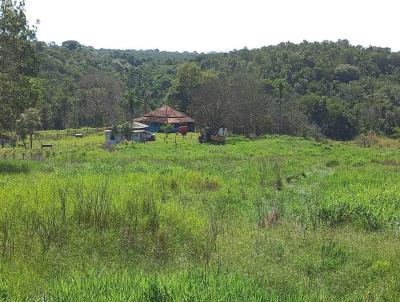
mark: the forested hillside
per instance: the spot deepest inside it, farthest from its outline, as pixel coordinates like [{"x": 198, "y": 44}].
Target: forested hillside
[
  {"x": 85, "y": 86},
  {"x": 334, "y": 88}
]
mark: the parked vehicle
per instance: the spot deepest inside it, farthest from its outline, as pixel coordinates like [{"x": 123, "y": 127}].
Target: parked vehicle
[
  {"x": 183, "y": 130},
  {"x": 141, "y": 136},
  {"x": 149, "y": 136}
]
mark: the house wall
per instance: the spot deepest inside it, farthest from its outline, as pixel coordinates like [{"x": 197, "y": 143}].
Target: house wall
[
  {"x": 156, "y": 127},
  {"x": 112, "y": 139},
  {"x": 191, "y": 127},
  {"x": 138, "y": 137}
]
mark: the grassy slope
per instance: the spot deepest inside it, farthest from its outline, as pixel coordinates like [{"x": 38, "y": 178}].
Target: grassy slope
[{"x": 181, "y": 222}]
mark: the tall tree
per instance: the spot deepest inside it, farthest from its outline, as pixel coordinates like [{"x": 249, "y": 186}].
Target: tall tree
[
  {"x": 140, "y": 84},
  {"x": 28, "y": 123},
  {"x": 131, "y": 104},
  {"x": 188, "y": 77},
  {"x": 101, "y": 94},
  {"x": 19, "y": 63}
]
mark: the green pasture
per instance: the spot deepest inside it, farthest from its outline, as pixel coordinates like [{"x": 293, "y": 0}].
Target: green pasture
[{"x": 274, "y": 219}]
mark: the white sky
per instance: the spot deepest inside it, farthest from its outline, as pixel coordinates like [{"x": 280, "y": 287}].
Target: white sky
[{"x": 215, "y": 25}]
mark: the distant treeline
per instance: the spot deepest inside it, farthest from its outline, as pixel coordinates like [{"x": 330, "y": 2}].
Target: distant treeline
[
  {"x": 329, "y": 88},
  {"x": 333, "y": 88}
]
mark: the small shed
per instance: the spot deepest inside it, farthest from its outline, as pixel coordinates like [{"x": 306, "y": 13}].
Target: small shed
[
  {"x": 112, "y": 138},
  {"x": 166, "y": 115}
]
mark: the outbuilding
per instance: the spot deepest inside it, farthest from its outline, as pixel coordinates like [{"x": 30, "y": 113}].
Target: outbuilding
[{"x": 138, "y": 134}]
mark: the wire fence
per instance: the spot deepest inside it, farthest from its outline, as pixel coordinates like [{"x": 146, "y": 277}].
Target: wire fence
[
  {"x": 48, "y": 146},
  {"x": 67, "y": 133},
  {"x": 45, "y": 135},
  {"x": 46, "y": 151}
]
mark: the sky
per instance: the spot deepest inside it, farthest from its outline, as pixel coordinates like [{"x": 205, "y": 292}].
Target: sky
[{"x": 214, "y": 25}]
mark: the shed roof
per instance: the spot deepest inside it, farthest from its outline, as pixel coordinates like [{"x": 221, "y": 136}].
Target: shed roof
[
  {"x": 137, "y": 125},
  {"x": 165, "y": 115}
]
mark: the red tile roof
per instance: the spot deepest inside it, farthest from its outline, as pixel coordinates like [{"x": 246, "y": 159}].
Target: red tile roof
[{"x": 165, "y": 115}]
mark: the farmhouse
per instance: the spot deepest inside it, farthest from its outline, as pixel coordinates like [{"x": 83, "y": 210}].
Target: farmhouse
[{"x": 166, "y": 115}]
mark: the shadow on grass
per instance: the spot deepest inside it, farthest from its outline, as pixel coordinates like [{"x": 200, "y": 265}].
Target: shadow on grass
[{"x": 12, "y": 167}]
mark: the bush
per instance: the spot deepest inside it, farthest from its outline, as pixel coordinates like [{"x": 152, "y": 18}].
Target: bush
[
  {"x": 167, "y": 128},
  {"x": 125, "y": 130},
  {"x": 367, "y": 140},
  {"x": 396, "y": 133}
]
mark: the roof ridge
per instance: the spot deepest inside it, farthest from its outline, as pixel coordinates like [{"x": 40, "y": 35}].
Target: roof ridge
[
  {"x": 165, "y": 114},
  {"x": 165, "y": 111}
]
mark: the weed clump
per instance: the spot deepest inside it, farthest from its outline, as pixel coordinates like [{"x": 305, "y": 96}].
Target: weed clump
[
  {"x": 279, "y": 182},
  {"x": 332, "y": 163},
  {"x": 367, "y": 140},
  {"x": 10, "y": 167},
  {"x": 332, "y": 255},
  {"x": 269, "y": 214},
  {"x": 206, "y": 184}
]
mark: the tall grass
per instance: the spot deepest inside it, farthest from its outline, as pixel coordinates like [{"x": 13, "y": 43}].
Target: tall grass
[
  {"x": 187, "y": 286},
  {"x": 10, "y": 167},
  {"x": 275, "y": 219}
]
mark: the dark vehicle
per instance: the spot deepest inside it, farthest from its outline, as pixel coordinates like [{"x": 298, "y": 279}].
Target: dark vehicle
[
  {"x": 149, "y": 136},
  {"x": 142, "y": 136},
  {"x": 208, "y": 135}
]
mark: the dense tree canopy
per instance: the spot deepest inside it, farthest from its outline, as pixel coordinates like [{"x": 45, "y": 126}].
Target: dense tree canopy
[
  {"x": 19, "y": 64},
  {"x": 85, "y": 86},
  {"x": 340, "y": 89}
]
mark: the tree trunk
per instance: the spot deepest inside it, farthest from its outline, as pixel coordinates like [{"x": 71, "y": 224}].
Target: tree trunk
[
  {"x": 145, "y": 106},
  {"x": 131, "y": 119}
]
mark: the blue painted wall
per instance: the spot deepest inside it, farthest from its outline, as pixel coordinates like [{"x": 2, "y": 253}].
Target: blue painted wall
[{"x": 156, "y": 127}]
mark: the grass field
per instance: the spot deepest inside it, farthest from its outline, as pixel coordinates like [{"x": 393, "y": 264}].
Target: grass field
[{"x": 274, "y": 219}]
